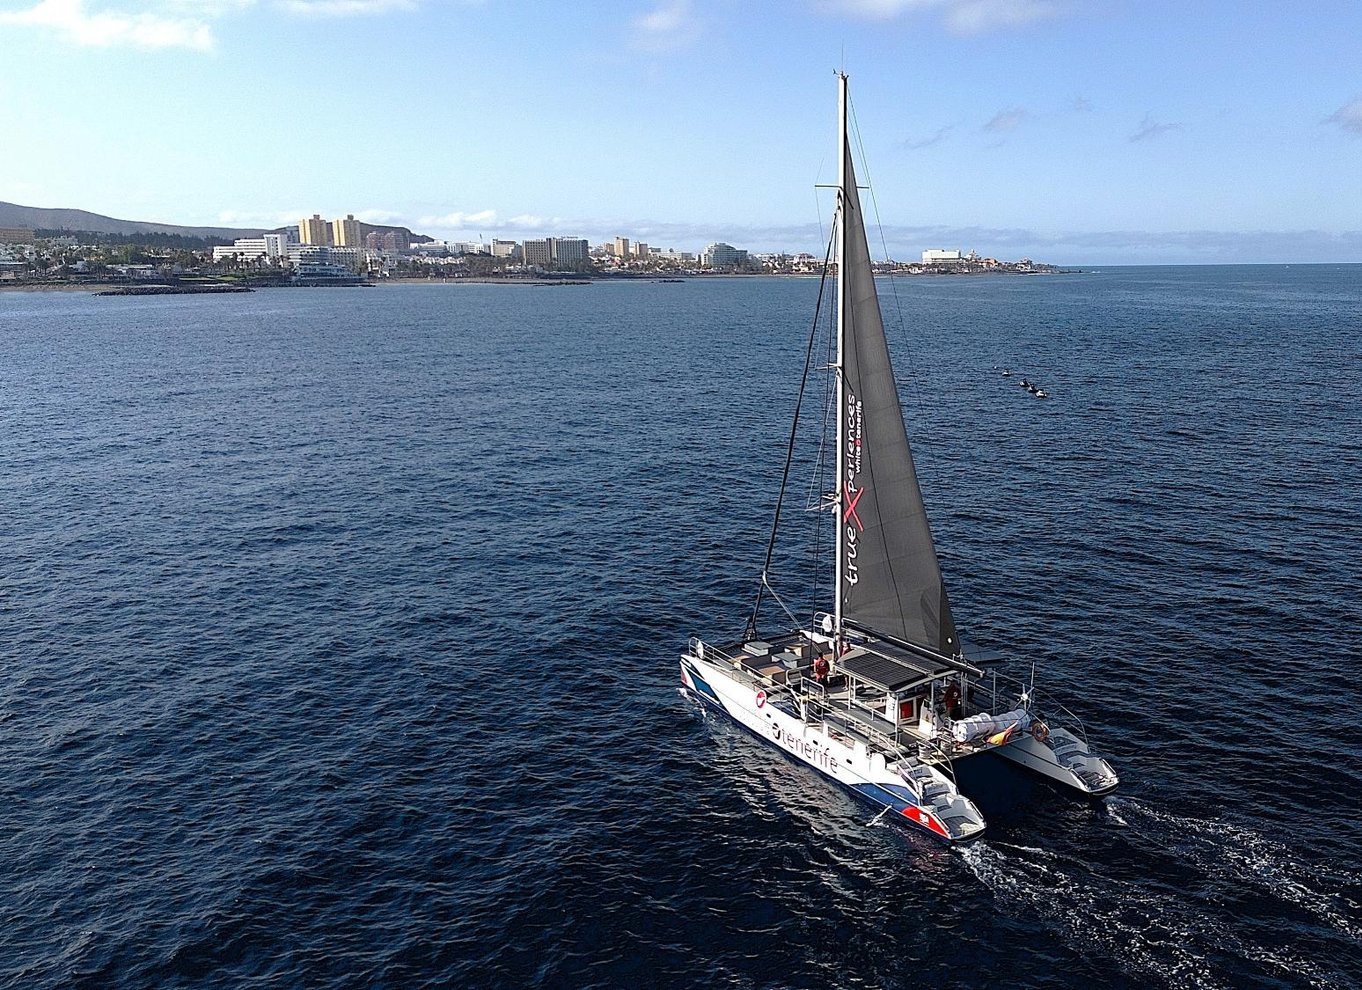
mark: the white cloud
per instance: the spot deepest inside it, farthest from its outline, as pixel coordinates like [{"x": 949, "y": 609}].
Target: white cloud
[
  {"x": 346, "y": 8},
  {"x": 459, "y": 220},
  {"x": 980, "y": 16},
  {"x": 880, "y": 10},
  {"x": 491, "y": 222},
  {"x": 385, "y": 217},
  {"x": 959, "y": 16},
  {"x": 1348, "y": 116},
  {"x": 164, "y": 24},
  {"x": 77, "y": 24},
  {"x": 529, "y": 221},
  {"x": 667, "y": 27}
]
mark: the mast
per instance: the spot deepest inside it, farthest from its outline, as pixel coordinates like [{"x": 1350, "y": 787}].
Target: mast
[{"x": 840, "y": 414}]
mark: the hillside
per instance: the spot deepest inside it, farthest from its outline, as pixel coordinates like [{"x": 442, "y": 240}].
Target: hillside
[{"x": 41, "y": 218}]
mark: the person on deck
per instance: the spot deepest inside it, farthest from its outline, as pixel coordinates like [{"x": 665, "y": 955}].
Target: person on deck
[{"x": 821, "y": 667}]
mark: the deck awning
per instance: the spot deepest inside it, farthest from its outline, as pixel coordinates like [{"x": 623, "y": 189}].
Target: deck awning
[{"x": 890, "y": 672}]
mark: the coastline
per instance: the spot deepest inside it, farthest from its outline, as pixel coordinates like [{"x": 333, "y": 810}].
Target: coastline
[{"x": 105, "y": 287}]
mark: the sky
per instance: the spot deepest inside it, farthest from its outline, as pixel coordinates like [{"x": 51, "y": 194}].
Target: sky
[{"x": 1067, "y": 131}]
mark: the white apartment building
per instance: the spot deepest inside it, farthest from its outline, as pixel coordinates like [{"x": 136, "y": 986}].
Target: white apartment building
[{"x": 271, "y": 246}]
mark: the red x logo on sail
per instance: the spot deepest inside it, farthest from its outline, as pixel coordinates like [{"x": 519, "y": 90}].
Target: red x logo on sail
[{"x": 850, "y": 513}]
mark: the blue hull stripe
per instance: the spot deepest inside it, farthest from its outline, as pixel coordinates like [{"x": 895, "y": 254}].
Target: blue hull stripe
[
  {"x": 895, "y": 796},
  {"x": 702, "y": 686}
]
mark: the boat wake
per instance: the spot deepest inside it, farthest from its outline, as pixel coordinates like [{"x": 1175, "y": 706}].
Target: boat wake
[
  {"x": 1243, "y": 857},
  {"x": 1179, "y": 933}
]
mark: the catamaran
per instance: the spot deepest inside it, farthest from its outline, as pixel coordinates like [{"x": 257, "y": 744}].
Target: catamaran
[{"x": 879, "y": 695}]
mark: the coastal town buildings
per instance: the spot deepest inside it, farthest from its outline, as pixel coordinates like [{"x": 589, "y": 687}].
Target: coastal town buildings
[
  {"x": 567, "y": 250},
  {"x": 537, "y": 253},
  {"x": 721, "y": 255},
  {"x": 269, "y": 246},
  {"x": 554, "y": 250},
  {"x": 345, "y": 233},
  {"x": 314, "y": 230},
  {"x": 362, "y": 250},
  {"x": 303, "y": 257},
  {"x": 388, "y": 240}
]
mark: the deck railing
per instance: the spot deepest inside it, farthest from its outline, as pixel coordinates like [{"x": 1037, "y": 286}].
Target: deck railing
[{"x": 1004, "y": 693}]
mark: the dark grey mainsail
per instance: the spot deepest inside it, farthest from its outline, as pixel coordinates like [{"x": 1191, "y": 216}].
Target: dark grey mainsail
[{"x": 891, "y": 579}]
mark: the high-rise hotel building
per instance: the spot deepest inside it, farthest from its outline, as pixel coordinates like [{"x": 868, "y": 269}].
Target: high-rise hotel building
[
  {"x": 345, "y": 233},
  {"x": 314, "y": 230}
]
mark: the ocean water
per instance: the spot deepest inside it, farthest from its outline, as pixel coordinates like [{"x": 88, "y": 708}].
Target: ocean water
[{"x": 340, "y": 634}]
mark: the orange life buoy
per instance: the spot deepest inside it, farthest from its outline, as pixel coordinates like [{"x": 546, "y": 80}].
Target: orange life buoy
[{"x": 1040, "y": 732}]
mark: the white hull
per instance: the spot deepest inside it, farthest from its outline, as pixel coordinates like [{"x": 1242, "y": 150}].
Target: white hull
[
  {"x": 920, "y": 795},
  {"x": 1065, "y": 760}
]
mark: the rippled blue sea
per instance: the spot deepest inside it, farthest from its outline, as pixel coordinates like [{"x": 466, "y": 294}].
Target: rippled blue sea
[{"x": 340, "y": 634}]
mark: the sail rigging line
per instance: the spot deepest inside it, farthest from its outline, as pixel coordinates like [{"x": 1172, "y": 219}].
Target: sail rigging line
[
  {"x": 789, "y": 450},
  {"x": 815, "y": 500},
  {"x": 817, "y": 203},
  {"x": 819, "y": 481},
  {"x": 778, "y": 600}
]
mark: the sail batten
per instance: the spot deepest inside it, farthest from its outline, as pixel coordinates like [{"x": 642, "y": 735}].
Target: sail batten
[{"x": 890, "y": 578}]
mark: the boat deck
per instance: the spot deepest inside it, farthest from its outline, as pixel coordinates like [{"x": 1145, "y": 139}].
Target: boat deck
[{"x": 852, "y": 702}]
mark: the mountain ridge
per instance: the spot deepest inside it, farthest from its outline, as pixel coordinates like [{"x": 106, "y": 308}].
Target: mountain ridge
[{"x": 50, "y": 218}]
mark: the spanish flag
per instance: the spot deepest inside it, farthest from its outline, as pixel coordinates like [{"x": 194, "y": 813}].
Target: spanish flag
[{"x": 1001, "y": 737}]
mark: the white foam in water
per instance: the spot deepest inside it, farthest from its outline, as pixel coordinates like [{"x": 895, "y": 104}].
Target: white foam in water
[
  {"x": 1231, "y": 851},
  {"x": 1111, "y": 917},
  {"x": 1162, "y": 934},
  {"x": 1109, "y": 806}
]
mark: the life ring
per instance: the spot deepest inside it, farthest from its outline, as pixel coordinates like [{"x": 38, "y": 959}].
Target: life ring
[
  {"x": 761, "y": 699},
  {"x": 1040, "y": 732}
]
